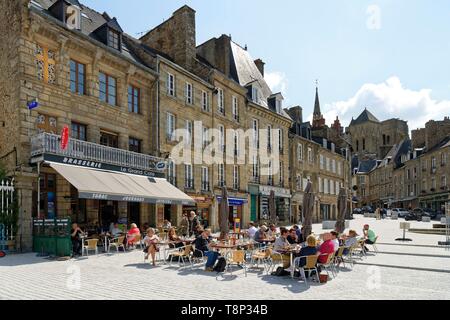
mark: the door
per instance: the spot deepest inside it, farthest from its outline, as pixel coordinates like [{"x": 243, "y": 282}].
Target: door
[
  {"x": 253, "y": 207},
  {"x": 108, "y": 213},
  {"x": 134, "y": 213}
]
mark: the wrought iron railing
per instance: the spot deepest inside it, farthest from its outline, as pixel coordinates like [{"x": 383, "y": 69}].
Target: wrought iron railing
[{"x": 46, "y": 143}]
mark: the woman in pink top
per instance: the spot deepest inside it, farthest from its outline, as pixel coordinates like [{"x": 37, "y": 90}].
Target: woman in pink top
[
  {"x": 326, "y": 248},
  {"x": 132, "y": 233}
]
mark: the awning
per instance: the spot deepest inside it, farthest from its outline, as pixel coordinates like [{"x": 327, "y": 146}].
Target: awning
[{"x": 109, "y": 185}]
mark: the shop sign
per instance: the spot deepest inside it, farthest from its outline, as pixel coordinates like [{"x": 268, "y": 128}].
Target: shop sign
[
  {"x": 279, "y": 192},
  {"x": 234, "y": 201}
]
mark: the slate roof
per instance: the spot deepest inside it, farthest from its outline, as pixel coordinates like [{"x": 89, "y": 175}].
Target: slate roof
[
  {"x": 91, "y": 20},
  {"x": 244, "y": 71},
  {"x": 365, "y": 116},
  {"x": 366, "y": 166}
]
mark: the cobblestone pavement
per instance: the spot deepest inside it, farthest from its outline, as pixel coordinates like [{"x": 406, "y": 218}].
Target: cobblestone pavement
[{"x": 416, "y": 270}]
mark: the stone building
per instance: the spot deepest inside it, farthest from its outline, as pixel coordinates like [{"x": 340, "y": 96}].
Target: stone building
[
  {"x": 75, "y": 64},
  {"x": 319, "y": 161},
  {"x": 264, "y": 116},
  {"x": 372, "y": 138}
]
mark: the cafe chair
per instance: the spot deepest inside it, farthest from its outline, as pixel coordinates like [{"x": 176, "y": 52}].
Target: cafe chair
[
  {"x": 117, "y": 243},
  {"x": 329, "y": 264},
  {"x": 310, "y": 266},
  {"x": 183, "y": 254},
  {"x": 236, "y": 257},
  {"x": 89, "y": 244},
  {"x": 275, "y": 258},
  {"x": 374, "y": 245},
  {"x": 138, "y": 241},
  {"x": 339, "y": 257}
]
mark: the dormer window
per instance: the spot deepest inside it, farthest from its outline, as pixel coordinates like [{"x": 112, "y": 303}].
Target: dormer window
[
  {"x": 113, "y": 39},
  {"x": 67, "y": 11},
  {"x": 255, "y": 94},
  {"x": 278, "y": 105}
]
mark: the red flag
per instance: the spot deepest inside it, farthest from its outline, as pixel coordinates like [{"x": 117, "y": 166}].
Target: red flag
[{"x": 64, "y": 137}]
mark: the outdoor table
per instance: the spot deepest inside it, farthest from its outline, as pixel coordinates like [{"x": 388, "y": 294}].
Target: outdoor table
[{"x": 291, "y": 250}]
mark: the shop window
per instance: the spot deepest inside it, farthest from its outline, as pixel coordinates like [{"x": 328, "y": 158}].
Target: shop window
[
  {"x": 78, "y": 207},
  {"x": 48, "y": 195}
]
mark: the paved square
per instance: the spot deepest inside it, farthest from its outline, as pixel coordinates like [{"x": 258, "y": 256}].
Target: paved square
[{"x": 416, "y": 270}]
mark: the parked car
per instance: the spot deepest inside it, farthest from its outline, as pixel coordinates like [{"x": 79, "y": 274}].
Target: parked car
[
  {"x": 368, "y": 209},
  {"x": 357, "y": 211},
  {"x": 400, "y": 212},
  {"x": 418, "y": 213}
]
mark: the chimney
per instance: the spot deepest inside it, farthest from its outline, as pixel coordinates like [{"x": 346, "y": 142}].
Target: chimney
[
  {"x": 175, "y": 37},
  {"x": 260, "y": 65},
  {"x": 296, "y": 113}
]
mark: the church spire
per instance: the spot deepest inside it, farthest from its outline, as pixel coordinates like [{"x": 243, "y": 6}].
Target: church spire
[{"x": 317, "y": 102}]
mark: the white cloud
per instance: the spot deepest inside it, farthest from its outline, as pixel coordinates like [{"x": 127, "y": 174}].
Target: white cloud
[
  {"x": 389, "y": 100},
  {"x": 277, "y": 81}
]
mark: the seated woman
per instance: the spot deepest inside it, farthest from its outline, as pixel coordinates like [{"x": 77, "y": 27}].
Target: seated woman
[
  {"x": 167, "y": 224},
  {"x": 350, "y": 240},
  {"x": 151, "y": 244},
  {"x": 131, "y": 235},
  {"x": 309, "y": 250},
  {"x": 174, "y": 239},
  {"x": 261, "y": 234}
]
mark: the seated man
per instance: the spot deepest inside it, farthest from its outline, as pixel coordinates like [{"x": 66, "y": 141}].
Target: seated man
[
  {"x": 76, "y": 236},
  {"x": 261, "y": 235},
  {"x": 273, "y": 231},
  {"x": 325, "y": 249},
  {"x": 251, "y": 230},
  {"x": 201, "y": 243},
  {"x": 369, "y": 236},
  {"x": 115, "y": 231},
  {"x": 292, "y": 237},
  {"x": 280, "y": 245}
]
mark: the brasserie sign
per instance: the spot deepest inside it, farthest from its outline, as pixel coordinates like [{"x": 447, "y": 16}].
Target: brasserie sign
[{"x": 101, "y": 165}]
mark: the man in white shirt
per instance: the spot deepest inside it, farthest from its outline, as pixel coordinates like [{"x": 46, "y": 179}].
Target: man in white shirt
[
  {"x": 251, "y": 230},
  {"x": 115, "y": 231},
  {"x": 335, "y": 240}
]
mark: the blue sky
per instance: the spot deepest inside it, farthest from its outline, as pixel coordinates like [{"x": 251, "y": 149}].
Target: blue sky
[{"x": 391, "y": 56}]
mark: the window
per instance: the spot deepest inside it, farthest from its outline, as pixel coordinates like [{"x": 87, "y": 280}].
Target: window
[
  {"x": 269, "y": 138},
  {"x": 328, "y": 164},
  {"x": 300, "y": 152},
  {"x": 48, "y": 191},
  {"x": 322, "y": 162},
  {"x": 333, "y": 166},
  {"x": 443, "y": 159},
  {"x": 281, "y": 175},
  {"x": 357, "y": 145},
  {"x": 433, "y": 164},
  {"x": 133, "y": 99},
  {"x": 433, "y": 184},
  {"x": 77, "y": 77},
  {"x": 278, "y": 105},
  {"x": 220, "y": 101},
  {"x": 236, "y": 144},
  {"x": 188, "y": 138},
  {"x": 255, "y": 169},
  {"x": 109, "y": 139},
  {"x": 255, "y": 127},
  {"x": 235, "y": 109},
  {"x": 326, "y": 186},
  {"x": 255, "y": 95},
  {"x": 205, "y": 137},
  {"x": 337, "y": 188},
  {"x": 339, "y": 168},
  {"x": 310, "y": 155},
  {"x": 443, "y": 182},
  {"x": 171, "y": 173},
  {"x": 135, "y": 145},
  {"x": 270, "y": 174},
  {"x": 332, "y": 187},
  {"x": 45, "y": 64},
  {"x": 170, "y": 127},
  {"x": 320, "y": 185},
  {"x": 364, "y": 144},
  {"x": 113, "y": 39},
  {"x": 46, "y": 123},
  {"x": 205, "y": 101},
  {"x": 221, "y": 175},
  {"x": 189, "y": 93},
  {"x": 221, "y": 138},
  {"x": 107, "y": 89},
  {"x": 188, "y": 176},
  {"x": 280, "y": 140},
  {"x": 235, "y": 177},
  {"x": 170, "y": 84},
  {"x": 205, "y": 179},
  {"x": 78, "y": 131}
]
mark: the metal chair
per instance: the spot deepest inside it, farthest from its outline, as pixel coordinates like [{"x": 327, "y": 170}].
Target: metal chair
[
  {"x": 89, "y": 244},
  {"x": 182, "y": 254},
  {"x": 328, "y": 264},
  {"x": 274, "y": 259},
  {"x": 339, "y": 257},
  {"x": 310, "y": 266},
  {"x": 236, "y": 257},
  {"x": 117, "y": 243}
]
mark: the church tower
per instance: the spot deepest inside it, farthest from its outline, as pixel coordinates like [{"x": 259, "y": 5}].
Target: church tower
[{"x": 318, "y": 120}]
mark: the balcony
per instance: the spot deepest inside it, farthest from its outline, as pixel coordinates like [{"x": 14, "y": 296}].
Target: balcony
[
  {"x": 46, "y": 143},
  {"x": 189, "y": 184},
  {"x": 205, "y": 186}
]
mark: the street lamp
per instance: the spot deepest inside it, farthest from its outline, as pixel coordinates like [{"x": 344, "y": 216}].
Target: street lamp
[{"x": 350, "y": 146}]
